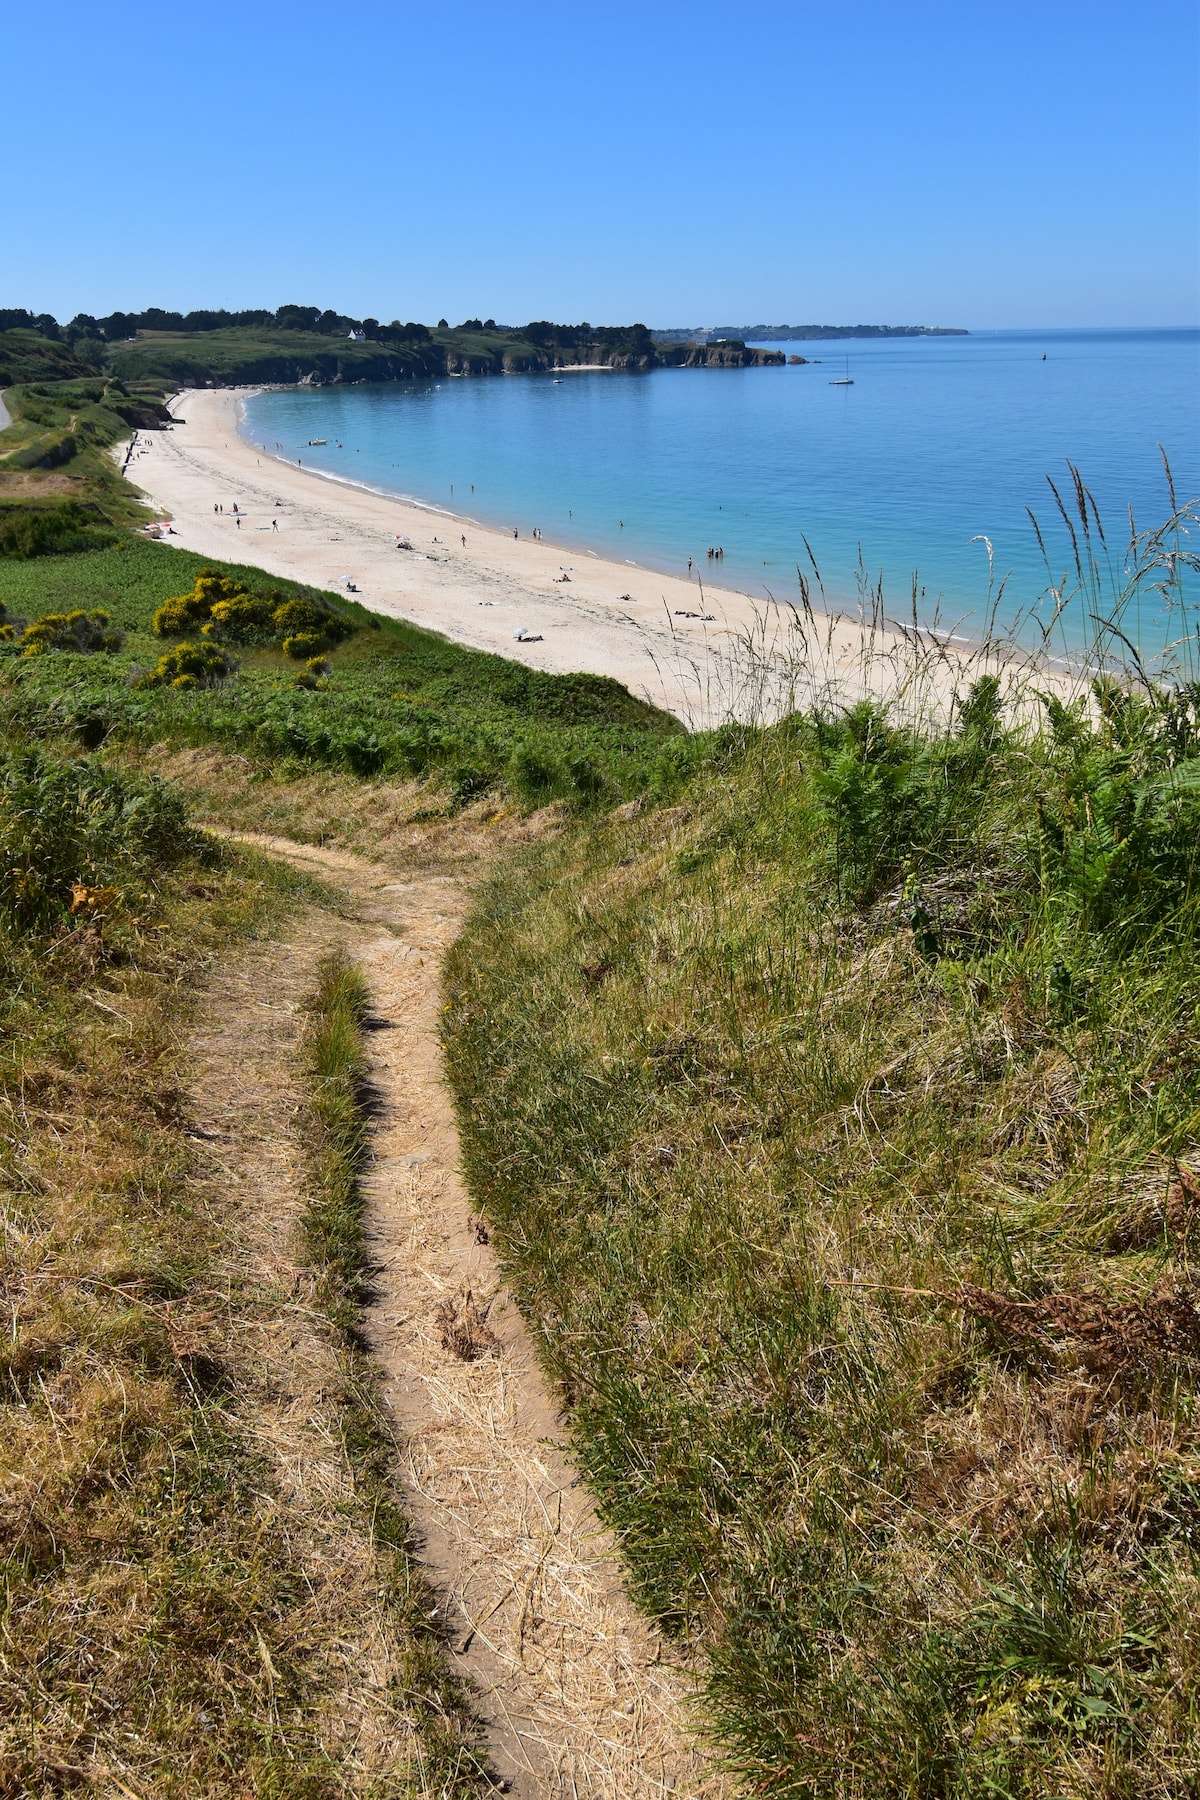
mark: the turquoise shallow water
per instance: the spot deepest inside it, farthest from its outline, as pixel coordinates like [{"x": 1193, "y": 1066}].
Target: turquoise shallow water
[{"x": 938, "y": 441}]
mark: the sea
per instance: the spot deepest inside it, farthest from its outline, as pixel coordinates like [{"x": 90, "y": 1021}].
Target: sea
[{"x": 923, "y": 471}]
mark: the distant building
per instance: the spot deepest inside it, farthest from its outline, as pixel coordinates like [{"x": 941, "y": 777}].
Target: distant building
[{"x": 358, "y": 336}]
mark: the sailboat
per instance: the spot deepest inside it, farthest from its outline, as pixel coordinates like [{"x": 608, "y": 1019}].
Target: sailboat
[{"x": 846, "y": 380}]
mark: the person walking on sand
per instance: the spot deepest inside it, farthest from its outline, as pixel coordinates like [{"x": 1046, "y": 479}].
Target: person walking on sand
[
  {"x": 464, "y": 543},
  {"x": 274, "y": 524},
  {"x": 238, "y": 521}
]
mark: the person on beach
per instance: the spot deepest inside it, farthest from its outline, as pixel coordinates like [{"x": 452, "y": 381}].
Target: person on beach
[
  {"x": 689, "y": 568},
  {"x": 274, "y": 524},
  {"x": 464, "y": 543},
  {"x": 515, "y": 533},
  {"x": 238, "y": 521}
]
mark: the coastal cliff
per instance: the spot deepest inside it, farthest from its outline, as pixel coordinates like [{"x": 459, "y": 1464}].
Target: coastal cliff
[
  {"x": 283, "y": 355},
  {"x": 300, "y": 345}
]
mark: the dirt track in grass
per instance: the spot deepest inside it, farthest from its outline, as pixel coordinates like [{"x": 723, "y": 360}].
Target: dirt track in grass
[{"x": 581, "y": 1696}]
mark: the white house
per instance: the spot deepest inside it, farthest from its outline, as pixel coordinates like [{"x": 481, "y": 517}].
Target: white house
[{"x": 358, "y": 336}]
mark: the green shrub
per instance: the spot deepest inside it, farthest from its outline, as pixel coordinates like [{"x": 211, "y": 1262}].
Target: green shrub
[
  {"x": 302, "y": 615},
  {"x": 189, "y": 666},
  {"x": 226, "y": 609},
  {"x": 83, "y": 632},
  {"x": 177, "y": 616},
  {"x": 586, "y": 780},
  {"x": 305, "y": 645},
  {"x": 467, "y": 783},
  {"x": 312, "y": 675},
  {"x": 242, "y": 618}
]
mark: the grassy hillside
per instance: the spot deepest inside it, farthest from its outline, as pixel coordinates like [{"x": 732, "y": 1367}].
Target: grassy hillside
[
  {"x": 840, "y": 1125},
  {"x": 59, "y": 488},
  {"x": 395, "y": 700},
  {"x": 28, "y": 356},
  {"x": 273, "y": 353},
  {"x": 262, "y": 353}
]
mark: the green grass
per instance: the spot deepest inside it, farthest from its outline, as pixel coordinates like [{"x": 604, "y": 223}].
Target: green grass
[
  {"x": 835, "y": 1125},
  {"x": 399, "y": 701}
]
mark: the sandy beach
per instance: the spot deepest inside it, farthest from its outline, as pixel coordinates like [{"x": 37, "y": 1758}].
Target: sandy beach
[{"x": 673, "y": 641}]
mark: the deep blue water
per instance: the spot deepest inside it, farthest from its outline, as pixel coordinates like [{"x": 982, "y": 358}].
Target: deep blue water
[{"x": 939, "y": 441}]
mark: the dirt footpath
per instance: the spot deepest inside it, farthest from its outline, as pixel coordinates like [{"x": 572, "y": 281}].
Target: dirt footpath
[{"x": 581, "y": 1696}]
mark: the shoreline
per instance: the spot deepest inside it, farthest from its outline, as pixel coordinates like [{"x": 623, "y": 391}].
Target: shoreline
[
  {"x": 458, "y": 519},
  {"x": 703, "y": 652}
]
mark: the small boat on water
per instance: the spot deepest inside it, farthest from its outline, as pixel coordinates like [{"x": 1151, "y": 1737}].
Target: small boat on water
[
  {"x": 313, "y": 441},
  {"x": 846, "y": 380}
]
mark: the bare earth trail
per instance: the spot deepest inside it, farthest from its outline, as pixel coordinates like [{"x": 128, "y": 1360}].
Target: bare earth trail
[{"x": 582, "y": 1697}]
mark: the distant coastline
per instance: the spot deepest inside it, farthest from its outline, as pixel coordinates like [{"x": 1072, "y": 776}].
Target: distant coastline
[{"x": 783, "y": 334}]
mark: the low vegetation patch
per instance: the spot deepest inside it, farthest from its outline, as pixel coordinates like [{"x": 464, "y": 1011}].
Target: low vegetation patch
[{"x": 371, "y": 696}]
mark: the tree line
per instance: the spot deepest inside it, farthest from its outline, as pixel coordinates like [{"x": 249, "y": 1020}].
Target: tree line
[{"x": 120, "y": 327}]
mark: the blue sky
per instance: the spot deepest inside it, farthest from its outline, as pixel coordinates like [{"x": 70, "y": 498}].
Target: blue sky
[{"x": 933, "y": 163}]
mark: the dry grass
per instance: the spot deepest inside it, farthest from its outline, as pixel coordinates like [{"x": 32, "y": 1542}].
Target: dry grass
[
  {"x": 379, "y": 819},
  {"x": 196, "y": 1601}
]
